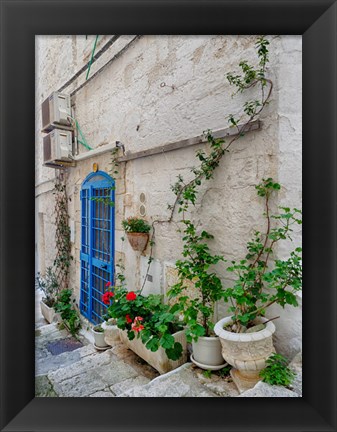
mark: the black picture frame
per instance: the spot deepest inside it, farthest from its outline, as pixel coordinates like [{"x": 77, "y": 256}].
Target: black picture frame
[{"x": 316, "y": 20}]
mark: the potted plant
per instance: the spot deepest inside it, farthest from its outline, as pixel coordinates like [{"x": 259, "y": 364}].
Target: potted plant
[
  {"x": 98, "y": 332},
  {"x": 246, "y": 335},
  {"x": 50, "y": 287},
  {"x": 198, "y": 310},
  {"x": 111, "y": 332},
  {"x": 68, "y": 311},
  {"x": 148, "y": 327},
  {"x": 137, "y": 232}
]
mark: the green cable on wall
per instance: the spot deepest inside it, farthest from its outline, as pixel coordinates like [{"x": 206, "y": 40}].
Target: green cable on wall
[
  {"x": 92, "y": 56},
  {"x": 82, "y": 141}
]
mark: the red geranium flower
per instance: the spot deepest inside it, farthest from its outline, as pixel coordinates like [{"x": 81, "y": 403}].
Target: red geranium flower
[
  {"x": 107, "y": 296},
  {"x": 108, "y": 284},
  {"x": 131, "y": 296},
  {"x": 128, "y": 319},
  {"x": 136, "y": 326}
]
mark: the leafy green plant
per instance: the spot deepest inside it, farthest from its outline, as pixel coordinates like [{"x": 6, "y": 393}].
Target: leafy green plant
[
  {"x": 98, "y": 329},
  {"x": 48, "y": 285},
  {"x": 146, "y": 318},
  {"x": 260, "y": 283},
  {"x": 224, "y": 372},
  {"x": 198, "y": 311},
  {"x": 198, "y": 263},
  {"x": 207, "y": 374},
  {"x": 62, "y": 236},
  {"x": 277, "y": 372},
  {"x": 135, "y": 225},
  {"x": 69, "y": 314}
]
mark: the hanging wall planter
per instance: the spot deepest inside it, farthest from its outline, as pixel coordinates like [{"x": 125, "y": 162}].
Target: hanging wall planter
[
  {"x": 138, "y": 241},
  {"x": 137, "y": 232}
]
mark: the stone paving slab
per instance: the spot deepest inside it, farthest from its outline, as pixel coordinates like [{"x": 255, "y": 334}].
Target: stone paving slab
[
  {"x": 125, "y": 385},
  {"x": 93, "y": 374},
  {"x": 83, "y": 365},
  {"x": 115, "y": 372},
  {"x": 49, "y": 363},
  {"x": 43, "y": 387},
  {"x": 223, "y": 387},
  {"x": 122, "y": 352},
  {"x": 180, "y": 382},
  {"x": 81, "y": 385},
  {"x": 263, "y": 389},
  {"x": 105, "y": 393}
]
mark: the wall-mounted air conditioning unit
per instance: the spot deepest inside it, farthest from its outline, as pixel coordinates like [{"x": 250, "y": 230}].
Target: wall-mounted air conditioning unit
[
  {"x": 56, "y": 110},
  {"x": 57, "y": 149}
]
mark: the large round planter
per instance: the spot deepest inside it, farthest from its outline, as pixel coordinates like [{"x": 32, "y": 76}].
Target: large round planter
[
  {"x": 207, "y": 353},
  {"x": 138, "y": 241},
  {"x": 47, "y": 312},
  {"x": 247, "y": 352},
  {"x": 99, "y": 340}
]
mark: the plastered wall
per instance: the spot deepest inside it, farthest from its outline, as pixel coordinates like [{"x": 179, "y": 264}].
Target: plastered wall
[{"x": 162, "y": 89}]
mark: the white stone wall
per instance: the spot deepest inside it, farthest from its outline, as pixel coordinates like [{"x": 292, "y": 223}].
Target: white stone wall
[{"x": 163, "y": 89}]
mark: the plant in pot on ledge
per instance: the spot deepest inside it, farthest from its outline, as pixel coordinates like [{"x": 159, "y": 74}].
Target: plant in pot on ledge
[
  {"x": 50, "y": 288},
  {"x": 246, "y": 335},
  {"x": 137, "y": 231},
  {"x": 198, "y": 309},
  {"x": 148, "y": 327}
]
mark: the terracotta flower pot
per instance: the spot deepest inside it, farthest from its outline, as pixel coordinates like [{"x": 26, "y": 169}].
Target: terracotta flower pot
[
  {"x": 247, "y": 352},
  {"x": 138, "y": 241}
]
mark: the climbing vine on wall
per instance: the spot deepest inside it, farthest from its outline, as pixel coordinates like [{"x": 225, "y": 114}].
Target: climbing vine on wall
[
  {"x": 62, "y": 235},
  {"x": 249, "y": 77}
]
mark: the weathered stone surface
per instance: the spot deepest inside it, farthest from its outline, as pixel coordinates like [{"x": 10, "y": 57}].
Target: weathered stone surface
[
  {"x": 221, "y": 386},
  {"x": 125, "y": 385},
  {"x": 43, "y": 387},
  {"x": 81, "y": 385},
  {"x": 296, "y": 366},
  {"x": 105, "y": 393},
  {"x": 180, "y": 382},
  {"x": 114, "y": 372},
  {"x": 83, "y": 365},
  {"x": 45, "y": 362},
  {"x": 266, "y": 390},
  {"x": 122, "y": 352}
]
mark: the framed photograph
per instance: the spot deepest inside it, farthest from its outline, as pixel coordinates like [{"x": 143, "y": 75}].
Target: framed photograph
[{"x": 301, "y": 27}]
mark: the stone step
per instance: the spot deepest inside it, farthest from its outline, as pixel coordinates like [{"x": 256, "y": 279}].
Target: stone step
[
  {"x": 45, "y": 362},
  {"x": 181, "y": 382}
]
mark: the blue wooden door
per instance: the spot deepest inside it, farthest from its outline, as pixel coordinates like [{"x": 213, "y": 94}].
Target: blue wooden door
[{"x": 97, "y": 243}]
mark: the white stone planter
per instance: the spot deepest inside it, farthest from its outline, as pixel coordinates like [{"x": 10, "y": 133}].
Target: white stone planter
[
  {"x": 207, "y": 353},
  {"x": 47, "y": 312},
  {"x": 111, "y": 334},
  {"x": 99, "y": 340},
  {"x": 157, "y": 359},
  {"x": 247, "y": 352}
]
